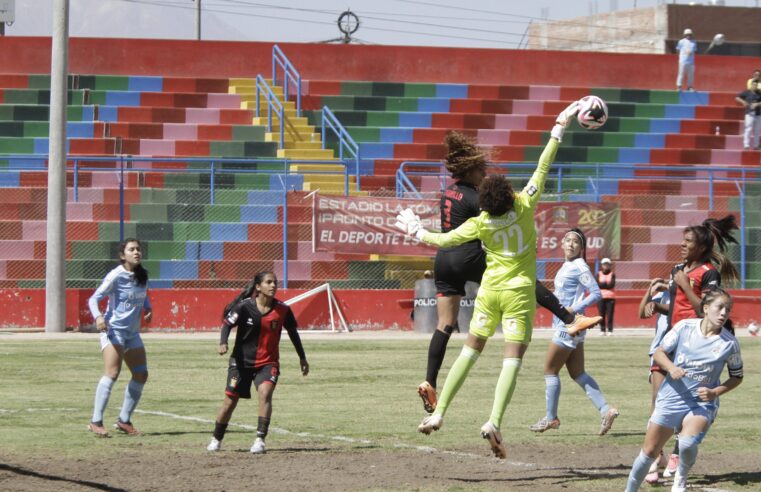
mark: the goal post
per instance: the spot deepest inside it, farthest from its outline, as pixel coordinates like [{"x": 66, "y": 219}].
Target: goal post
[{"x": 334, "y": 310}]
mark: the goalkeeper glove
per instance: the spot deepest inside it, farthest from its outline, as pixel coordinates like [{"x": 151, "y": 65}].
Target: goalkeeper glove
[
  {"x": 563, "y": 120},
  {"x": 410, "y": 223}
]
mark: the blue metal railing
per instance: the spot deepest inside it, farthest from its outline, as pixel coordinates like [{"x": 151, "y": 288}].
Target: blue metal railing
[
  {"x": 345, "y": 141},
  {"x": 740, "y": 176},
  {"x": 291, "y": 76},
  {"x": 131, "y": 164},
  {"x": 273, "y": 106}
]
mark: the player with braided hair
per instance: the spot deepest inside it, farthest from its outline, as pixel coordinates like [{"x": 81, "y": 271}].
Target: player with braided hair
[
  {"x": 456, "y": 265},
  {"x": 506, "y": 228}
]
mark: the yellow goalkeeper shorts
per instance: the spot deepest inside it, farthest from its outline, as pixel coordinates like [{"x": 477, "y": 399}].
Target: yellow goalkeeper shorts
[{"x": 514, "y": 308}]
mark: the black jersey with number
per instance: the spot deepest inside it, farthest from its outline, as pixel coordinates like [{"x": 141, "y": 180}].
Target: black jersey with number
[
  {"x": 459, "y": 202},
  {"x": 258, "y": 338}
]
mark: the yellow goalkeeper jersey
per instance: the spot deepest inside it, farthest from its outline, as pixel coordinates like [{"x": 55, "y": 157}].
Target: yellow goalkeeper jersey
[{"x": 509, "y": 240}]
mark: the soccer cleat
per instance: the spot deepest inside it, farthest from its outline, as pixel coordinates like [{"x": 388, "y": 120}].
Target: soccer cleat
[
  {"x": 214, "y": 445},
  {"x": 258, "y": 446},
  {"x": 492, "y": 434},
  {"x": 127, "y": 428},
  {"x": 672, "y": 465},
  {"x": 607, "y": 421},
  {"x": 97, "y": 429},
  {"x": 428, "y": 395},
  {"x": 431, "y": 423},
  {"x": 680, "y": 483},
  {"x": 581, "y": 323},
  {"x": 652, "y": 478},
  {"x": 609, "y": 334},
  {"x": 545, "y": 424}
]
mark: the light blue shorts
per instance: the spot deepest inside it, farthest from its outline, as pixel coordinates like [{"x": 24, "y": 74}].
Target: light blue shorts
[
  {"x": 566, "y": 341},
  {"x": 126, "y": 339},
  {"x": 673, "y": 416}
]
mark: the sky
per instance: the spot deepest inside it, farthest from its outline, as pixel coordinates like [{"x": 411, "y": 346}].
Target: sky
[{"x": 475, "y": 23}]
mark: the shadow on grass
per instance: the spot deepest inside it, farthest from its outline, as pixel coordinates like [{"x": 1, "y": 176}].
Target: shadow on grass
[
  {"x": 172, "y": 433},
  {"x": 738, "y": 478},
  {"x": 559, "y": 476},
  {"x": 84, "y": 483}
]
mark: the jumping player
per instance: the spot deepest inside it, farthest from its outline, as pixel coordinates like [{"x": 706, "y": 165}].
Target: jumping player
[
  {"x": 127, "y": 292},
  {"x": 573, "y": 282},
  {"x": 694, "y": 354},
  {"x": 507, "y": 292},
  {"x": 456, "y": 265},
  {"x": 260, "y": 319}
]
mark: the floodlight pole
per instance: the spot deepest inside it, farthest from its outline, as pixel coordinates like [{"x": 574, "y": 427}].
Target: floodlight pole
[
  {"x": 55, "y": 266},
  {"x": 198, "y": 20}
]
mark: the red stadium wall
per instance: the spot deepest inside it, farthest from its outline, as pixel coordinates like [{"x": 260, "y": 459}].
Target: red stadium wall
[
  {"x": 376, "y": 63},
  {"x": 390, "y": 309}
]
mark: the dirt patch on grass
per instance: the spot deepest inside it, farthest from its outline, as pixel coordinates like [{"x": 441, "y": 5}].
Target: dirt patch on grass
[{"x": 331, "y": 467}]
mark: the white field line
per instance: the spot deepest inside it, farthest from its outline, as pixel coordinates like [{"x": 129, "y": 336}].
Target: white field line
[{"x": 278, "y": 430}]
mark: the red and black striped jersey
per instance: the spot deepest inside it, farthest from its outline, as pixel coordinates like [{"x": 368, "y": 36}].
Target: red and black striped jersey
[
  {"x": 701, "y": 278},
  {"x": 458, "y": 203},
  {"x": 257, "y": 340}
]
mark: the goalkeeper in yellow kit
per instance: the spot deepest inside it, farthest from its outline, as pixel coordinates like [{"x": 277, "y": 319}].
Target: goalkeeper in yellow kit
[{"x": 506, "y": 229}]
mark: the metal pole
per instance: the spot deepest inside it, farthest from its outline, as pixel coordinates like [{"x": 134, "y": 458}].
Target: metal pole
[
  {"x": 55, "y": 265},
  {"x": 198, "y": 20},
  {"x": 2, "y": 28}
]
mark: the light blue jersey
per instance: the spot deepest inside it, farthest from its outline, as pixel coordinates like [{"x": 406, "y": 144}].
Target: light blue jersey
[
  {"x": 661, "y": 323},
  {"x": 703, "y": 358},
  {"x": 126, "y": 301},
  {"x": 572, "y": 282}
]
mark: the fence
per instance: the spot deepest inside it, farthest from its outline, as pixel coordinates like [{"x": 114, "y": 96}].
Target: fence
[{"x": 215, "y": 223}]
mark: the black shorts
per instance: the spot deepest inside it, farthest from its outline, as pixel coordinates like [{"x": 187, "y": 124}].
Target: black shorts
[
  {"x": 239, "y": 379},
  {"x": 452, "y": 268}
]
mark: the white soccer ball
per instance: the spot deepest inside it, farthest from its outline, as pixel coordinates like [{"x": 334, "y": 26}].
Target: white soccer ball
[
  {"x": 593, "y": 112},
  {"x": 753, "y": 328}
]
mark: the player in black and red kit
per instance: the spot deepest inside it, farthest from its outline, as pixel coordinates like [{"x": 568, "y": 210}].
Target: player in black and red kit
[
  {"x": 259, "y": 319},
  {"x": 453, "y": 267}
]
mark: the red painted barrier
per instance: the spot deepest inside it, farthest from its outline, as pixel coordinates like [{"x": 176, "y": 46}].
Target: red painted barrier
[
  {"x": 202, "y": 309},
  {"x": 217, "y": 59}
]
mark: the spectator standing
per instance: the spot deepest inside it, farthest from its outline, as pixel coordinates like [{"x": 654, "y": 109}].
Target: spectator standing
[
  {"x": 606, "y": 279},
  {"x": 751, "y": 101},
  {"x": 686, "y": 48}
]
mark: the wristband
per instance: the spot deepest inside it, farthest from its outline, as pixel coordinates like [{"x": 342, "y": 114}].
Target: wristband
[{"x": 557, "y": 132}]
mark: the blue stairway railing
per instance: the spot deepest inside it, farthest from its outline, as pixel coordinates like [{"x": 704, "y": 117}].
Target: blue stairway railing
[
  {"x": 291, "y": 76},
  {"x": 345, "y": 142},
  {"x": 273, "y": 105}
]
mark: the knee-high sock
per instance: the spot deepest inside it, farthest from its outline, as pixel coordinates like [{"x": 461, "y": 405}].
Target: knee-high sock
[
  {"x": 504, "y": 390},
  {"x": 548, "y": 300},
  {"x": 552, "y": 395},
  {"x": 591, "y": 388},
  {"x": 131, "y": 397},
  {"x": 688, "y": 453},
  {"x": 102, "y": 393},
  {"x": 436, "y": 351},
  {"x": 456, "y": 377},
  {"x": 639, "y": 471}
]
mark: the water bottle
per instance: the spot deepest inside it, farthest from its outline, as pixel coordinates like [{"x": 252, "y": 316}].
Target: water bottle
[{"x": 717, "y": 131}]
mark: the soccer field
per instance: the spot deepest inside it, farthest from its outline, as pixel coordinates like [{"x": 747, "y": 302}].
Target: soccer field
[{"x": 349, "y": 425}]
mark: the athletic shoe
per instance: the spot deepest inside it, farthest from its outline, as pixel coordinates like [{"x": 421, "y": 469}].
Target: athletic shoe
[
  {"x": 581, "y": 323},
  {"x": 258, "y": 446},
  {"x": 214, "y": 445},
  {"x": 680, "y": 483},
  {"x": 428, "y": 394},
  {"x": 545, "y": 424},
  {"x": 127, "y": 428},
  {"x": 431, "y": 423},
  {"x": 490, "y": 432},
  {"x": 672, "y": 465},
  {"x": 607, "y": 421},
  {"x": 652, "y": 478},
  {"x": 609, "y": 334},
  {"x": 97, "y": 429}
]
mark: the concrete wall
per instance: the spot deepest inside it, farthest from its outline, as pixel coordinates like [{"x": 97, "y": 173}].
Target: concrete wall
[{"x": 376, "y": 63}]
